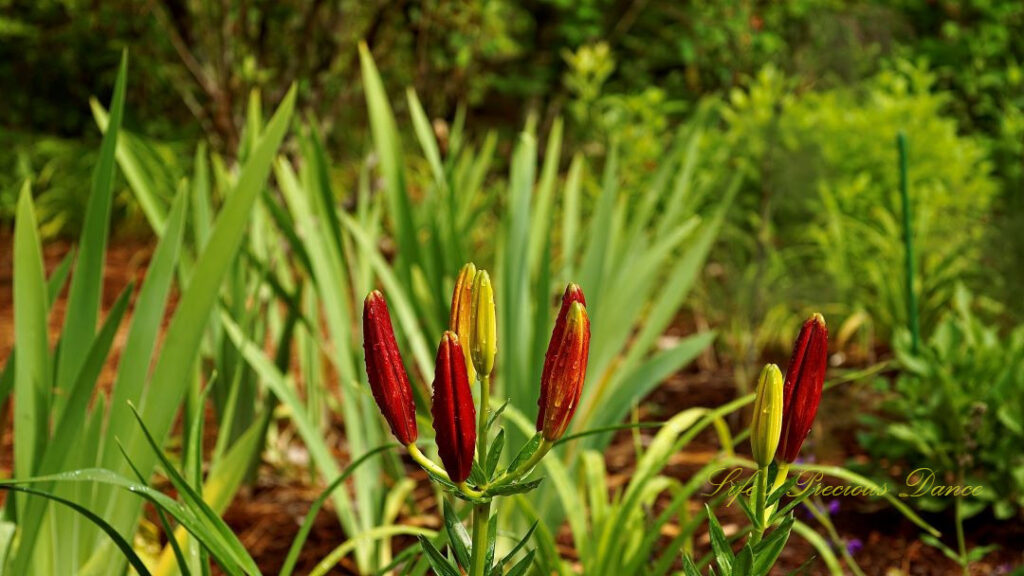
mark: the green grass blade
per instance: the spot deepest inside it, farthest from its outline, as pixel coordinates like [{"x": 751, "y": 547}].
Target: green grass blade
[
  {"x": 540, "y": 222},
  {"x": 314, "y": 509},
  {"x": 571, "y": 217},
  {"x": 425, "y": 135},
  {"x": 86, "y": 291},
  {"x": 71, "y": 423},
  {"x": 122, "y": 544},
  {"x": 172, "y": 372},
  {"x": 282, "y": 387},
  {"x": 199, "y": 507},
  {"x": 596, "y": 256},
  {"x": 145, "y": 328},
  {"x": 389, "y": 152},
  {"x": 202, "y": 208},
  {"x": 31, "y": 369}
]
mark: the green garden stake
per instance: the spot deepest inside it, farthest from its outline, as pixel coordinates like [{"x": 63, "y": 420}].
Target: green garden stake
[{"x": 908, "y": 241}]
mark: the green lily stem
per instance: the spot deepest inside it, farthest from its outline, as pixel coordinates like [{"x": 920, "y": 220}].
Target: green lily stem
[
  {"x": 432, "y": 467},
  {"x": 760, "y": 496},
  {"x": 481, "y": 512},
  {"x": 780, "y": 479},
  {"x": 481, "y": 517}
]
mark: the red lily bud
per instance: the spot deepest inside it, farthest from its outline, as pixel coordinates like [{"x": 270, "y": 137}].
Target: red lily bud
[
  {"x": 453, "y": 411},
  {"x": 565, "y": 366},
  {"x": 384, "y": 368},
  {"x": 573, "y": 293},
  {"x": 802, "y": 390}
]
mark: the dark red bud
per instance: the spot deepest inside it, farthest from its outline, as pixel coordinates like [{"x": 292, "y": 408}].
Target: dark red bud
[
  {"x": 572, "y": 293},
  {"x": 565, "y": 366},
  {"x": 384, "y": 368},
  {"x": 801, "y": 393},
  {"x": 453, "y": 410}
]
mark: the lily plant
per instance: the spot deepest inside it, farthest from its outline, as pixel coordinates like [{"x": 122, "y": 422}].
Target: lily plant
[{"x": 469, "y": 468}]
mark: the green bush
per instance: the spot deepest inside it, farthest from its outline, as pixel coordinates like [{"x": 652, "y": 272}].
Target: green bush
[
  {"x": 958, "y": 410},
  {"x": 820, "y": 225}
]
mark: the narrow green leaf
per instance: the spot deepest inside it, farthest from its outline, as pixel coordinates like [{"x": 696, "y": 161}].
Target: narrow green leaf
[
  {"x": 172, "y": 372},
  {"x": 122, "y": 544},
  {"x": 494, "y": 453},
  {"x": 69, "y": 428},
  {"x": 744, "y": 562},
  {"x": 515, "y": 549},
  {"x": 140, "y": 342},
  {"x": 540, "y": 224},
  {"x": 389, "y": 152},
  {"x": 458, "y": 537},
  {"x": 31, "y": 369},
  {"x": 522, "y": 566},
  {"x": 198, "y": 506},
  {"x": 719, "y": 543},
  {"x": 86, "y": 291},
  {"x": 437, "y": 560},
  {"x": 768, "y": 550},
  {"x": 314, "y": 509},
  {"x": 821, "y": 545}
]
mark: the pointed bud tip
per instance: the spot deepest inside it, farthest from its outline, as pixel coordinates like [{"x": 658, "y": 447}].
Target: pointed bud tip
[
  {"x": 374, "y": 296},
  {"x": 573, "y": 293},
  {"x": 482, "y": 277},
  {"x": 818, "y": 319}
]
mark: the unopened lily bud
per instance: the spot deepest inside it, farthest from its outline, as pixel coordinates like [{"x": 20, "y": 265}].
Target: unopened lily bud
[
  {"x": 461, "y": 317},
  {"x": 565, "y": 368},
  {"x": 384, "y": 368},
  {"x": 453, "y": 411},
  {"x": 802, "y": 391},
  {"x": 483, "y": 340},
  {"x": 766, "y": 426}
]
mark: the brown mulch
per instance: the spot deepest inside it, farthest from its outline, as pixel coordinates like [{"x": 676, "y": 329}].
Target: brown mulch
[{"x": 267, "y": 515}]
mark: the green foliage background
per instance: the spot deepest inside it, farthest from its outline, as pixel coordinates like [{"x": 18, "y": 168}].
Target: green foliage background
[{"x": 801, "y": 99}]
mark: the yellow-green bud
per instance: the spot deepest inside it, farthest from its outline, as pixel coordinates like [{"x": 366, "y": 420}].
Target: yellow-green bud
[
  {"x": 483, "y": 341},
  {"x": 766, "y": 426},
  {"x": 461, "y": 317}
]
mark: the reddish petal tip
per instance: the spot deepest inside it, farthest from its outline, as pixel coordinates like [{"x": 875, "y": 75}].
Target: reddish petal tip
[{"x": 573, "y": 293}]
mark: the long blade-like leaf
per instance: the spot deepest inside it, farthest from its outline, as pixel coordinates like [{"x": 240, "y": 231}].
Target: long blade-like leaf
[{"x": 86, "y": 290}]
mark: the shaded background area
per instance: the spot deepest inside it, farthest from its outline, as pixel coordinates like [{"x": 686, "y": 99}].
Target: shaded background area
[{"x": 628, "y": 69}]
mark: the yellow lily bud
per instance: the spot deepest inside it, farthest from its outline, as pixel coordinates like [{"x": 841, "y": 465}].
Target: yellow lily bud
[
  {"x": 461, "y": 317},
  {"x": 483, "y": 341},
  {"x": 766, "y": 426}
]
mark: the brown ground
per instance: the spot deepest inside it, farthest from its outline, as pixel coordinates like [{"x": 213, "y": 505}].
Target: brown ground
[{"x": 267, "y": 515}]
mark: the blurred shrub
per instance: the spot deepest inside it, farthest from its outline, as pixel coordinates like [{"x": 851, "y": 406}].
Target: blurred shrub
[
  {"x": 820, "y": 224},
  {"x": 977, "y": 51},
  {"x": 959, "y": 410},
  {"x": 61, "y": 171},
  {"x": 637, "y": 122}
]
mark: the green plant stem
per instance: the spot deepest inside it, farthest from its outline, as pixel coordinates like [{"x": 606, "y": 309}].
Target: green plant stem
[
  {"x": 432, "y": 467},
  {"x": 780, "y": 479},
  {"x": 760, "y": 495},
  {"x": 481, "y": 515},
  {"x": 908, "y": 242},
  {"x": 958, "y": 513},
  {"x": 817, "y": 510}
]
